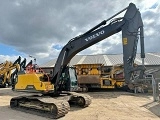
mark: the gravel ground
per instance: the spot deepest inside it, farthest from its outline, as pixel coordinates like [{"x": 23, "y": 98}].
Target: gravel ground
[{"x": 106, "y": 105}]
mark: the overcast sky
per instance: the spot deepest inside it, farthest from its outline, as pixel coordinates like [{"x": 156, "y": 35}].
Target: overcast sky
[{"x": 42, "y": 27}]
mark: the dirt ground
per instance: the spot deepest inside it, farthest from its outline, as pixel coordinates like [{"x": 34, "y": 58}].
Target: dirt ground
[{"x": 106, "y": 105}]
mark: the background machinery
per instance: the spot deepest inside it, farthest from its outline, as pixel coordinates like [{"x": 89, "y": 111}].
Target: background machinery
[
  {"x": 100, "y": 76},
  {"x": 54, "y": 100},
  {"x": 6, "y": 70}
]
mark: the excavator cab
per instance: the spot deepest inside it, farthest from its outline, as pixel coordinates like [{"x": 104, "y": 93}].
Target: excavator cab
[
  {"x": 73, "y": 79},
  {"x": 68, "y": 80}
]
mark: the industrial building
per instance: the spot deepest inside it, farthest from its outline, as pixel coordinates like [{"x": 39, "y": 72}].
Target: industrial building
[{"x": 151, "y": 61}]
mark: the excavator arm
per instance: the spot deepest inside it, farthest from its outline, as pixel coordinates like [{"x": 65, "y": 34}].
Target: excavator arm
[
  {"x": 132, "y": 30},
  {"x": 131, "y": 26}
]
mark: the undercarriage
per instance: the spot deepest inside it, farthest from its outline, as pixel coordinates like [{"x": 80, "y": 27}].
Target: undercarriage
[{"x": 47, "y": 106}]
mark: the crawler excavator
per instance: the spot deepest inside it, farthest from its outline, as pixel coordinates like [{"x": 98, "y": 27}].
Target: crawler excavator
[{"x": 54, "y": 101}]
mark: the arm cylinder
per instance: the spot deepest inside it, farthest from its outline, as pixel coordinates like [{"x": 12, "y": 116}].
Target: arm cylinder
[{"x": 142, "y": 42}]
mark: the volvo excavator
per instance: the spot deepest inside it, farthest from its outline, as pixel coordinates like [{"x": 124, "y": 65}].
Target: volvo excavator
[{"x": 57, "y": 91}]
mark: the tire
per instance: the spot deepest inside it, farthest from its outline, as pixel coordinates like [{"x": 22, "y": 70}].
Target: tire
[
  {"x": 84, "y": 88},
  {"x": 81, "y": 101}
]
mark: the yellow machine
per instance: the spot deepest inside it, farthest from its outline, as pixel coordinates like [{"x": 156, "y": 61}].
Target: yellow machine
[
  {"x": 34, "y": 80},
  {"x": 5, "y": 73},
  {"x": 99, "y": 76}
]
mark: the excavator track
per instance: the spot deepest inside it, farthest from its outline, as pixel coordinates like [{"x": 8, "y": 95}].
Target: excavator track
[
  {"x": 42, "y": 106},
  {"x": 82, "y": 100},
  {"x": 50, "y": 107}
]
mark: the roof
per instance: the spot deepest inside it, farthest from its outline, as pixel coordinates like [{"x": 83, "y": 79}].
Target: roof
[{"x": 108, "y": 59}]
